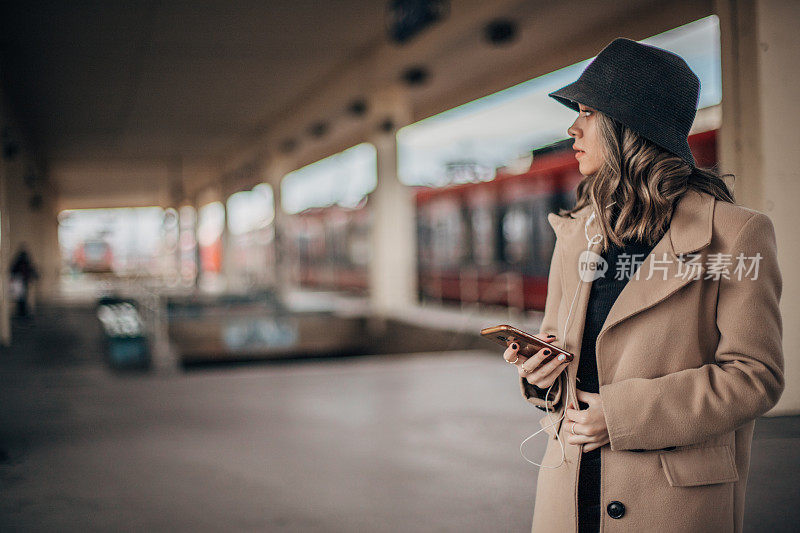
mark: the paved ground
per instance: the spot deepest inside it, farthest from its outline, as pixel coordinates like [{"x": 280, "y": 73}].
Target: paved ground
[{"x": 403, "y": 443}]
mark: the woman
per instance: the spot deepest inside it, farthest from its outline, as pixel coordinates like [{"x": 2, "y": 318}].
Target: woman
[{"x": 676, "y": 335}]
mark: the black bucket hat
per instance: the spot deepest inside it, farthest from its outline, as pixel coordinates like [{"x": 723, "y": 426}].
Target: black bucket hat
[{"x": 650, "y": 90}]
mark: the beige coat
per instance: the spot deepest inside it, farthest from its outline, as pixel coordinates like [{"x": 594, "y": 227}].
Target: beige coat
[{"x": 683, "y": 362}]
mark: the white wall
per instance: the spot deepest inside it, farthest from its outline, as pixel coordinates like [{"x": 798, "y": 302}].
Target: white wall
[{"x": 760, "y": 80}]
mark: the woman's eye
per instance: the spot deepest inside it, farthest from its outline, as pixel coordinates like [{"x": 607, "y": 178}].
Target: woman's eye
[{"x": 587, "y": 111}]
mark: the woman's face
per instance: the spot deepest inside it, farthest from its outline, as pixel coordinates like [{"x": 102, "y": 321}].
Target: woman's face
[{"x": 587, "y": 148}]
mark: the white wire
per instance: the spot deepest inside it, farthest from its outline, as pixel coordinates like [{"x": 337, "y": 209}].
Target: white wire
[
  {"x": 550, "y": 419},
  {"x": 595, "y": 239}
]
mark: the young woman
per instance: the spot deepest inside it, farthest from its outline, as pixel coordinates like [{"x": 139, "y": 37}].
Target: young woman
[{"x": 668, "y": 293}]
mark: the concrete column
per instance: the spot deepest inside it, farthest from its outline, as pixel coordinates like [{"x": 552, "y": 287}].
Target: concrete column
[
  {"x": 30, "y": 218},
  {"x": 275, "y": 170},
  {"x": 171, "y": 250},
  {"x": 281, "y": 277},
  {"x": 228, "y": 270},
  {"x": 210, "y": 194},
  {"x": 50, "y": 250},
  {"x": 5, "y": 260},
  {"x": 197, "y": 258},
  {"x": 393, "y": 265},
  {"x": 760, "y": 81}
]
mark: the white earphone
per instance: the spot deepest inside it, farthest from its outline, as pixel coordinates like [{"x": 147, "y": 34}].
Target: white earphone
[{"x": 591, "y": 241}]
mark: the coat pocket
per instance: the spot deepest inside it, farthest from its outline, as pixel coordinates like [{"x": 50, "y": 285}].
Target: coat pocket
[{"x": 699, "y": 466}]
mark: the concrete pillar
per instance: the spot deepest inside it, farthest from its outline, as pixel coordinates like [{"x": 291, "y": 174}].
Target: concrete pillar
[
  {"x": 228, "y": 270},
  {"x": 197, "y": 259},
  {"x": 5, "y": 259},
  {"x": 393, "y": 267},
  {"x": 208, "y": 282},
  {"x": 760, "y": 81},
  {"x": 50, "y": 251},
  {"x": 170, "y": 246},
  {"x": 29, "y": 218},
  {"x": 274, "y": 172},
  {"x": 281, "y": 277}
]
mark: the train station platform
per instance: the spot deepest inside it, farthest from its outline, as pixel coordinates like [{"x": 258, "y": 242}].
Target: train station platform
[{"x": 414, "y": 442}]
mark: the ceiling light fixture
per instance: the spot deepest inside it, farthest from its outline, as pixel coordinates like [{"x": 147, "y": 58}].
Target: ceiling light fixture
[{"x": 500, "y": 32}]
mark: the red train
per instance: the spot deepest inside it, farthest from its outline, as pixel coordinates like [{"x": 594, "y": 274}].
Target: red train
[
  {"x": 93, "y": 256},
  {"x": 329, "y": 247},
  {"x": 490, "y": 242},
  {"x": 486, "y": 242}
]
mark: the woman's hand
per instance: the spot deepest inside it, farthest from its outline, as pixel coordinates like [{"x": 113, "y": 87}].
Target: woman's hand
[
  {"x": 590, "y": 424},
  {"x": 531, "y": 368}
]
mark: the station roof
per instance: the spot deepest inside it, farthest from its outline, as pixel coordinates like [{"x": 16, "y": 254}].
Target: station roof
[{"x": 124, "y": 101}]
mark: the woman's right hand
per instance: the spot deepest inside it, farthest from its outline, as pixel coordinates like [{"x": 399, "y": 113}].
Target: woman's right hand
[{"x": 531, "y": 368}]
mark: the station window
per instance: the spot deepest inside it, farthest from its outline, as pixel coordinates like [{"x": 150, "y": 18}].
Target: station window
[
  {"x": 467, "y": 143},
  {"x": 127, "y": 241},
  {"x": 343, "y": 179}
]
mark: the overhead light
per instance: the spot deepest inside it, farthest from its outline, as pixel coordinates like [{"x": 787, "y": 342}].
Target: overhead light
[
  {"x": 318, "y": 129},
  {"x": 288, "y": 145},
  {"x": 357, "y": 107},
  {"x": 386, "y": 125},
  {"x": 415, "y": 75},
  {"x": 36, "y": 202},
  {"x": 500, "y": 31}
]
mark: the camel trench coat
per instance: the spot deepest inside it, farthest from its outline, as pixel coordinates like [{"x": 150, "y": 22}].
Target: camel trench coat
[{"x": 686, "y": 361}]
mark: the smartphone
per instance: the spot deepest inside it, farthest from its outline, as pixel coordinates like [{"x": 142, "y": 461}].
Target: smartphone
[{"x": 529, "y": 344}]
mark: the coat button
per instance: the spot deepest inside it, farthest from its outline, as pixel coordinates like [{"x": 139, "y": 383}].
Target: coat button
[{"x": 615, "y": 509}]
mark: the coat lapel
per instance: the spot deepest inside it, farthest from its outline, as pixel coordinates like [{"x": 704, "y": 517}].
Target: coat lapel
[{"x": 689, "y": 231}]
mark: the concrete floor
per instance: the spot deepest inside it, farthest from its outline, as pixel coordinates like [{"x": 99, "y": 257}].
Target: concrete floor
[{"x": 423, "y": 442}]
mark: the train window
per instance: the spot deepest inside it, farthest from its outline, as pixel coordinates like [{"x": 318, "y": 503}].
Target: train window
[
  {"x": 516, "y": 233},
  {"x": 482, "y": 236},
  {"x": 336, "y": 231},
  {"x": 316, "y": 241},
  {"x": 359, "y": 250},
  {"x": 544, "y": 237},
  {"x": 424, "y": 239},
  {"x": 358, "y": 239},
  {"x": 466, "y": 255},
  {"x": 448, "y": 238}
]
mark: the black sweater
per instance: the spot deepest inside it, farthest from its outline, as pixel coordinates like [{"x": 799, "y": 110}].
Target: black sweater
[{"x": 604, "y": 293}]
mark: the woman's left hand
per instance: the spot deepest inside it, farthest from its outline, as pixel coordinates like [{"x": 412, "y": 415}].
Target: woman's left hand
[{"x": 590, "y": 424}]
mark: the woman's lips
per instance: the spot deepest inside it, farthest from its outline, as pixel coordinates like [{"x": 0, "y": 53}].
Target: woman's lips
[{"x": 579, "y": 153}]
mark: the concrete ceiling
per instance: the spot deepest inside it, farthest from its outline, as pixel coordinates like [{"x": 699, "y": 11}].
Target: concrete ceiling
[
  {"x": 165, "y": 78},
  {"x": 119, "y": 98}
]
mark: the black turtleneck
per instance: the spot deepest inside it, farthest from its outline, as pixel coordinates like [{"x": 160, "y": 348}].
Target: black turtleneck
[
  {"x": 604, "y": 292},
  {"x": 602, "y": 296}
]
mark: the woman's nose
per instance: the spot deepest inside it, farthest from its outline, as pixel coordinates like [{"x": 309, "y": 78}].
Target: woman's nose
[{"x": 572, "y": 131}]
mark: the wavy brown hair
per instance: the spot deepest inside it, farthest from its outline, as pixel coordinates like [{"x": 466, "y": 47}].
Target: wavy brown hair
[{"x": 643, "y": 182}]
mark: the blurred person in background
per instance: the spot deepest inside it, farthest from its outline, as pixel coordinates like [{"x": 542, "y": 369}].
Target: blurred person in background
[
  {"x": 667, "y": 402},
  {"x": 22, "y": 274}
]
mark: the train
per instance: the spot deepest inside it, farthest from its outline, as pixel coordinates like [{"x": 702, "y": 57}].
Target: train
[
  {"x": 93, "y": 256},
  {"x": 478, "y": 243},
  {"x": 329, "y": 247}
]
